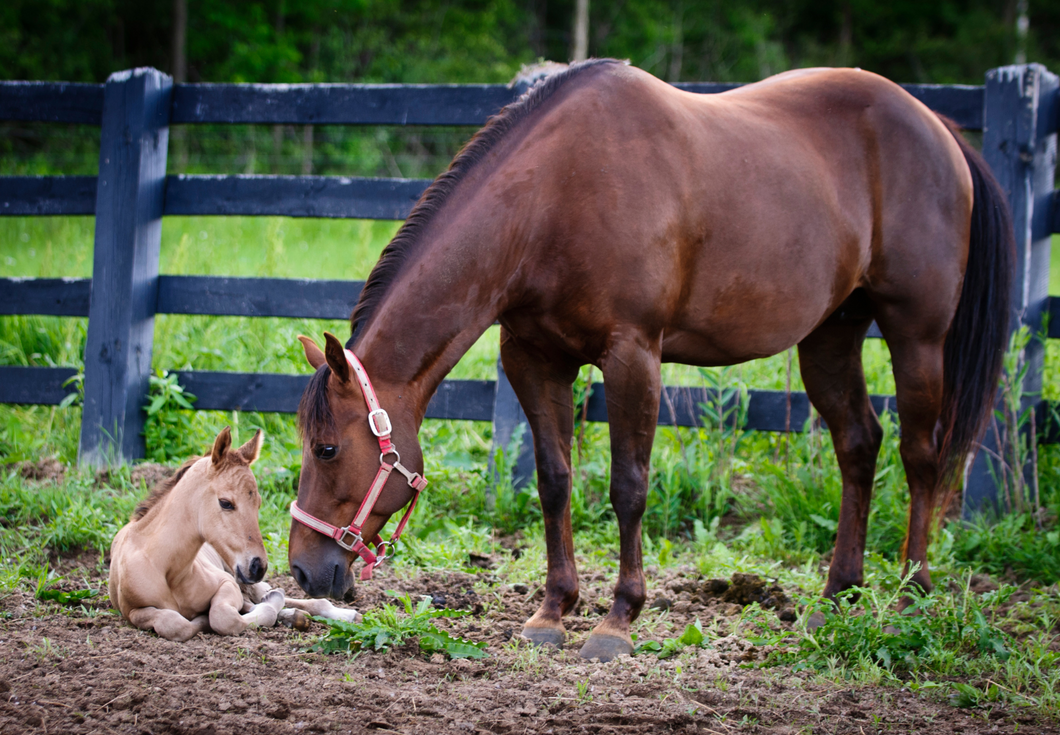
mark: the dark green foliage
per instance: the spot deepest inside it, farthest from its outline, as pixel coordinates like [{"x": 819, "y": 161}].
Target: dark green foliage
[
  {"x": 383, "y": 628},
  {"x": 168, "y": 429},
  {"x": 1011, "y": 546}
]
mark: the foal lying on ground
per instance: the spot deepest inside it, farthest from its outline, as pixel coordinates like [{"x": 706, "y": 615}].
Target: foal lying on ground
[{"x": 191, "y": 558}]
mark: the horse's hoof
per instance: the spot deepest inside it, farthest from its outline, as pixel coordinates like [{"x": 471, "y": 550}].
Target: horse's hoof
[
  {"x": 605, "y": 647},
  {"x": 554, "y": 637},
  {"x": 815, "y": 621}
]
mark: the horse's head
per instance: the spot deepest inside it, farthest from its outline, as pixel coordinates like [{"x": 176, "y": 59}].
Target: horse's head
[
  {"x": 340, "y": 462},
  {"x": 228, "y": 515}
]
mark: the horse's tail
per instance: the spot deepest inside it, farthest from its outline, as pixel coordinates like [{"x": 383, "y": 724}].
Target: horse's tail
[{"x": 978, "y": 336}]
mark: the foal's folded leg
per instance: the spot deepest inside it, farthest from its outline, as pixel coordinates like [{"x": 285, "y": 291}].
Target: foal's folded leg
[
  {"x": 225, "y": 607},
  {"x": 169, "y": 624}
]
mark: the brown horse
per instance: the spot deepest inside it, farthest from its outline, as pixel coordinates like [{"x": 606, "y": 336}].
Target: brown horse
[{"x": 611, "y": 219}]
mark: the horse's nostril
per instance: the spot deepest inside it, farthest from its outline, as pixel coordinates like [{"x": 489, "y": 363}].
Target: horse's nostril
[
  {"x": 257, "y": 569},
  {"x": 300, "y": 577}
]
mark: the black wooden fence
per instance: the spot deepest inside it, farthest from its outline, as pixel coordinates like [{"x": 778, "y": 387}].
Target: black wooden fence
[{"x": 1017, "y": 109}]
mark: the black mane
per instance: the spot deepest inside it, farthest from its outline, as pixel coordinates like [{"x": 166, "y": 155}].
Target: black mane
[{"x": 405, "y": 241}]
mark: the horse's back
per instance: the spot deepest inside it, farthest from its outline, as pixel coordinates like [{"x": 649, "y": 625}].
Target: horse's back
[{"x": 787, "y": 194}]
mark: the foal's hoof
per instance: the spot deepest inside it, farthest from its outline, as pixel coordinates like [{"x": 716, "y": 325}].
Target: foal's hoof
[
  {"x": 545, "y": 636},
  {"x": 605, "y": 647},
  {"x": 292, "y": 618}
]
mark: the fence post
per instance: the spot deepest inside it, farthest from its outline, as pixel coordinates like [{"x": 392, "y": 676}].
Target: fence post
[
  {"x": 508, "y": 416},
  {"x": 1019, "y": 143},
  {"x": 129, "y": 200}
]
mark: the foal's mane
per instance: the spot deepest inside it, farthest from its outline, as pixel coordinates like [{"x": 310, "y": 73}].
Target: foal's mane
[
  {"x": 162, "y": 489},
  {"x": 314, "y": 410}
]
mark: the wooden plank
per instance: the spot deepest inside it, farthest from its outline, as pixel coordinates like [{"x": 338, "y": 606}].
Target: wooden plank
[
  {"x": 35, "y": 385},
  {"x": 279, "y": 297},
  {"x": 767, "y": 410},
  {"x": 509, "y": 420},
  {"x": 293, "y": 196},
  {"x": 961, "y": 103},
  {"x": 1053, "y": 309},
  {"x": 61, "y": 102},
  {"x": 469, "y": 400},
  {"x": 47, "y": 195},
  {"x": 1021, "y": 151},
  {"x": 45, "y": 296},
  {"x": 129, "y": 200},
  {"x": 339, "y": 104}
]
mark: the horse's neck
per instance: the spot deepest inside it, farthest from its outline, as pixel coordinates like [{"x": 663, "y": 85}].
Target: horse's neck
[
  {"x": 172, "y": 538},
  {"x": 433, "y": 312}
]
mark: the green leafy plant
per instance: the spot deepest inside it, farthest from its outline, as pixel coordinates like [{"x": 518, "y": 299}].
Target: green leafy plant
[
  {"x": 692, "y": 636},
  {"x": 168, "y": 428},
  {"x": 387, "y": 627}
]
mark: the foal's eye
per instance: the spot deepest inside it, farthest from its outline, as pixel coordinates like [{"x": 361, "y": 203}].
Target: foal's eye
[
  {"x": 326, "y": 451},
  {"x": 226, "y": 504}
]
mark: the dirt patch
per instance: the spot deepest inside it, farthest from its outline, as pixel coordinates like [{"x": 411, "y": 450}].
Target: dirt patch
[
  {"x": 40, "y": 470},
  {"x": 83, "y": 670}
]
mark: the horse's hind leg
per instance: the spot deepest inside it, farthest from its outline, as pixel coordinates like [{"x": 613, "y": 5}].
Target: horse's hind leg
[
  {"x": 169, "y": 624},
  {"x": 631, "y": 373},
  {"x": 918, "y": 377},
  {"x": 830, "y": 362},
  {"x": 544, "y": 391}
]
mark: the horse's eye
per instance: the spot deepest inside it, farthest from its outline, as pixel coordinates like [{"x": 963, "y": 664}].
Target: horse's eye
[
  {"x": 326, "y": 451},
  {"x": 226, "y": 504}
]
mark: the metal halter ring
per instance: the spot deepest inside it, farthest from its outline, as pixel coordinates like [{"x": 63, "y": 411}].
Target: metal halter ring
[{"x": 393, "y": 451}]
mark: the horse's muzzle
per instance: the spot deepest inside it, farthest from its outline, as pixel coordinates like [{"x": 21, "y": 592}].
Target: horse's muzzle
[{"x": 330, "y": 580}]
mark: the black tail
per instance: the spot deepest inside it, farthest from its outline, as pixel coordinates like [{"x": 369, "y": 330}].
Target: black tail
[{"x": 978, "y": 336}]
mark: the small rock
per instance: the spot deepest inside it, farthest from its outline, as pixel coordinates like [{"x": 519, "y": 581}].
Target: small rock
[
  {"x": 224, "y": 706},
  {"x": 661, "y": 603},
  {"x": 438, "y": 658},
  {"x": 682, "y": 606},
  {"x": 520, "y": 589},
  {"x": 438, "y": 599}
]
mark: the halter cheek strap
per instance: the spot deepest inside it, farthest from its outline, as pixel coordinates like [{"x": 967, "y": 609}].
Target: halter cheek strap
[{"x": 349, "y": 537}]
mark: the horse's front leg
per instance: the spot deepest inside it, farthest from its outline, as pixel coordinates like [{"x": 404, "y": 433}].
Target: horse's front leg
[
  {"x": 631, "y": 374},
  {"x": 544, "y": 391},
  {"x": 226, "y": 606}
]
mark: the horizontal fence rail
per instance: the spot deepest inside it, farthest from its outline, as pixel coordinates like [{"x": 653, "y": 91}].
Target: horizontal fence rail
[
  {"x": 1018, "y": 110},
  {"x": 361, "y": 104}
]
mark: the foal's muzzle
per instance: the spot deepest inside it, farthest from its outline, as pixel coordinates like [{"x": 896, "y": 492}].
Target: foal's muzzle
[{"x": 255, "y": 573}]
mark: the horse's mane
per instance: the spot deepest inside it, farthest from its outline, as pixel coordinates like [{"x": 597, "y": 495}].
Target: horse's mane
[
  {"x": 314, "y": 410},
  {"x": 161, "y": 489},
  {"x": 397, "y": 253}
]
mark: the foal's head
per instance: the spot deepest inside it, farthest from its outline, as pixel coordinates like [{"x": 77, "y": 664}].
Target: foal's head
[{"x": 228, "y": 507}]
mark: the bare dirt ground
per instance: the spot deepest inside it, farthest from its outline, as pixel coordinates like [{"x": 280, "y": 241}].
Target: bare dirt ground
[{"x": 74, "y": 670}]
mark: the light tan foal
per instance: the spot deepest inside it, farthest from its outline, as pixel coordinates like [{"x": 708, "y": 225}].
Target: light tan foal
[{"x": 191, "y": 558}]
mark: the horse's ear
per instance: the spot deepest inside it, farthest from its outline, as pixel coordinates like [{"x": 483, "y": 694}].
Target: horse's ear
[
  {"x": 221, "y": 445},
  {"x": 336, "y": 357},
  {"x": 252, "y": 449},
  {"x": 312, "y": 352}
]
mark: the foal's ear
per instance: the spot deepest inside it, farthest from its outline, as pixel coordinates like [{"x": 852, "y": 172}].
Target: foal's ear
[
  {"x": 336, "y": 357},
  {"x": 312, "y": 352},
  {"x": 221, "y": 445},
  {"x": 252, "y": 449}
]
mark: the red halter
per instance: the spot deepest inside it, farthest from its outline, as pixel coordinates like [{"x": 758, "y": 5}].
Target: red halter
[{"x": 379, "y": 423}]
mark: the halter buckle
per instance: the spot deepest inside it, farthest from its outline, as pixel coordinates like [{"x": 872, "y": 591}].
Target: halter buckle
[
  {"x": 386, "y": 423},
  {"x": 347, "y": 532}
]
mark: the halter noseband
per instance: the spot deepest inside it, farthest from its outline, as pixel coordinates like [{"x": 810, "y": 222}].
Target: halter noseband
[{"x": 349, "y": 537}]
